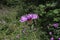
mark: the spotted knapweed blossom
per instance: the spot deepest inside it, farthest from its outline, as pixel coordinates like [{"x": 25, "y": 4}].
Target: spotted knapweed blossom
[
  {"x": 55, "y": 25},
  {"x": 23, "y": 18},
  {"x": 52, "y": 38},
  {"x": 28, "y": 17},
  {"x": 58, "y": 38},
  {"x": 50, "y": 33}
]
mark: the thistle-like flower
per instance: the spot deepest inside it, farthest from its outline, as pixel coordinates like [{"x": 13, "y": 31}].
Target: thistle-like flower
[
  {"x": 28, "y": 17},
  {"x": 58, "y": 38},
  {"x": 55, "y": 25},
  {"x": 50, "y": 33},
  {"x": 52, "y": 38}
]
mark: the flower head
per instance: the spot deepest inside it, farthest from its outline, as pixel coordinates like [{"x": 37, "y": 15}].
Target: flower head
[
  {"x": 58, "y": 38},
  {"x": 50, "y": 33},
  {"x": 32, "y": 16},
  {"x": 23, "y": 18},
  {"x": 35, "y": 16},
  {"x": 55, "y": 25},
  {"x": 52, "y": 38},
  {"x": 28, "y": 17}
]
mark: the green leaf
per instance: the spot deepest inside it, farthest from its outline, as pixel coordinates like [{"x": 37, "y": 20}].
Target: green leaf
[
  {"x": 55, "y": 11},
  {"x": 56, "y": 19}
]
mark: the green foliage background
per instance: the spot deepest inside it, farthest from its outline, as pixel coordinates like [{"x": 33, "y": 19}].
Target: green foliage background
[{"x": 12, "y": 10}]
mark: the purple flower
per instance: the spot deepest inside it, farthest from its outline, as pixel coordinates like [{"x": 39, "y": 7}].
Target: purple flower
[
  {"x": 50, "y": 33},
  {"x": 28, "y": 17},
  {"x": 23, "y": 18},
  {"x": 58, "y": 38},
  {"x": 55, "y": 25},
  {"x": 52, "y": 38},
  {"x": 32, "y": 16},
  {"x": 35, "y": 16}
]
